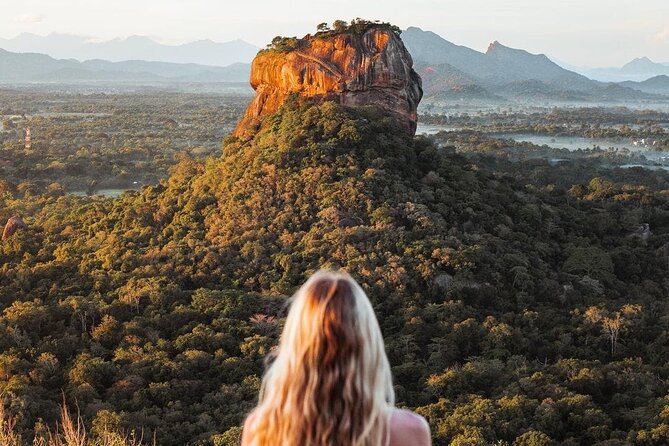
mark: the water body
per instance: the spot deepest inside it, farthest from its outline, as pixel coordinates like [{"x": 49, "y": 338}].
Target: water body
[
  {"x": 570, "y": 143},
  {"x": 71, "y": 115},
  {"x": 426, "y": 129},
  {"x": 573, "y": 143},
  {"x": 109, "y": 193},
  {"x": 629, "y": 166}
]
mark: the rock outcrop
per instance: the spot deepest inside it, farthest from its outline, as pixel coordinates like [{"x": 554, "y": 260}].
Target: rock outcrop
[
  {"x": 13, "y": 224},
  {"x": 372, "y": 68}
]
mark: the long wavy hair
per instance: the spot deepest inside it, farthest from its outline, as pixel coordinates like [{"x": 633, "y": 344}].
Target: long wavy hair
[{"x": 329, "y": 383}]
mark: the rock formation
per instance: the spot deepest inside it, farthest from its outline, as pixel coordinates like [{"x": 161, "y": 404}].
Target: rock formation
[
  {"x": 13, "y": 224},
  {"x": 642, "y": 231},
  {"x": 372, "y": 68}
]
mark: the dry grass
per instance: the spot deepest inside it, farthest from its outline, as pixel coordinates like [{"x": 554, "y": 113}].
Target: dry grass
[
  {"x": 70, "y": 431},
  {"x": 8, "y": 435}
]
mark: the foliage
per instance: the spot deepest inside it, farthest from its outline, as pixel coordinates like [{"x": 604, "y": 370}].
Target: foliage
[
  {"x": 357, "y": 26},
  {"x": 283, "y": 44},
  {"x": 492, "y": 286}
]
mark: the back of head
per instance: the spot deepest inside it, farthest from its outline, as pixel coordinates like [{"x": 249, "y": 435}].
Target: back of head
[{"x": 330, "y": 382}]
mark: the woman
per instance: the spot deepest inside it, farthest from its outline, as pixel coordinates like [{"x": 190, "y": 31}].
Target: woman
[{"x": 330, "y": 381}]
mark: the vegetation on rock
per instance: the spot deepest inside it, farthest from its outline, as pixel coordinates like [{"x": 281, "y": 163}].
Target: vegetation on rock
[{"x": 357, "y": 26}]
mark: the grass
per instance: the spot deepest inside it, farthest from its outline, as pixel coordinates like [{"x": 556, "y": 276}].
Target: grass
[{"x": 70, "y": 431}]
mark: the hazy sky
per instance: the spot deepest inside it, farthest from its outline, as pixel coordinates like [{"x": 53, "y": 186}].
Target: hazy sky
[{"x": 580, "y": 32}]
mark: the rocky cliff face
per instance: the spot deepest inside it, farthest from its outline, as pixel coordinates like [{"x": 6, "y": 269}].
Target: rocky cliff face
[{"x": 373, "y": 68}]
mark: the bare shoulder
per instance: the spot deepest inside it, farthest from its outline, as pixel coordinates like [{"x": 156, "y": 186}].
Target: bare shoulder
[
  {"x": 408, "y": 428},
  {"x": 248, "y": 425}
]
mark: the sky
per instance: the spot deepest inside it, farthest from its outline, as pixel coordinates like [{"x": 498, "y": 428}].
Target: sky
[{"x": 592, "y": 33}]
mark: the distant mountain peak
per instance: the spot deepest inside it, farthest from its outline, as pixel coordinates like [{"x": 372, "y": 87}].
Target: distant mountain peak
[
  {"x": 640, "y": 62},
  {"x": 137, "y": 38},
  {"x": 416, "y": 31},
  {"x": 496, "y": 46}
]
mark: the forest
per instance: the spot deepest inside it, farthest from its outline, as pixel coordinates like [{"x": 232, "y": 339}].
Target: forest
[
  {"x": 120, "y": 140},
  {"x": 522, "y": 302}
]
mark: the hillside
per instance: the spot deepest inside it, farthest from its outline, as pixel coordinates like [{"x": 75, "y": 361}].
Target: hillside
[
  {"x": 429, "y": 47},
  {"x": 28, "y": 67},
  {"x": 16, "y": 66},
  {"x": 654, "y": 85},
  {"x": 507, "y": 65},
  {"x": 161, "y": 305},
  {"x": 444, "y": 82}
]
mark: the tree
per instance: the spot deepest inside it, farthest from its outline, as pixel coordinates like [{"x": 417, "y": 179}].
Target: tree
[
  {"x": 533, "y": 438},
  {"x": 8, "y": 124},
  {"x": 600, "y": 188},
  {"x": 29, "y": 316},
  {"x": 339, "y": 26},
  {"x": 83, "y": 309},
  {"x": 590, "y": 261},
  {"x": 92, "y": 371},
  {"x": 231, "y": 437},
  {"x": 613, "y": 324}
]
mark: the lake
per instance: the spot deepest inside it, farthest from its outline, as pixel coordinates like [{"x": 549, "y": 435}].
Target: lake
[
  {"x": 570, "y": 143},
  {"x": 109, "y": 193},
  {"x": 573, "y": 143},
  {"x": 423, "y": 129},
  {"x": 629, "y": 166}
]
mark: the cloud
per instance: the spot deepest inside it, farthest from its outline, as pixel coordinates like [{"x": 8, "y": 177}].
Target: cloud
[
  {"x": 662, "y": 35},
  {"x": 29, "y": 18}
]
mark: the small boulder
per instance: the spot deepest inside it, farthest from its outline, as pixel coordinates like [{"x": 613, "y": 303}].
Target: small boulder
[
  {"x": 13, "y": 224},
  {"x": 642, "y": 231},
  {"x": 444, "y": 281},
  {"x": 348, "y": 222}
]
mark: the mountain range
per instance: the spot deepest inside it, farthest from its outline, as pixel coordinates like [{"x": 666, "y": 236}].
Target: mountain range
[
  {"x": 498, "y": 65},
  {"x": 19, "y": 68},
  {"x": 65, "y": 46},
  {"x": 448, "y": 70},
  {"x": 638, "y": 70},
  {"x": 452, "y": 71}
]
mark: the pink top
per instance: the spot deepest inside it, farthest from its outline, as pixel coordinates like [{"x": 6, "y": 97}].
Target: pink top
[{"x": 406, "y": 429}]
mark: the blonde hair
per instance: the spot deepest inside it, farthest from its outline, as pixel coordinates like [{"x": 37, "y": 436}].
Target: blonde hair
[{"x": 330, "y": 382}]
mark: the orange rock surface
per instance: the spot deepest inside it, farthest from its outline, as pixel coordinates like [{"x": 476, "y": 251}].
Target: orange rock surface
[{"x": 373, "y": 68}]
